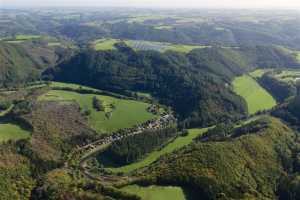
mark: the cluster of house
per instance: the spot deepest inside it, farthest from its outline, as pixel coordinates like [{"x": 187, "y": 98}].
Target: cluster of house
[
  {"x": 155, "y": 124},
  {"x": 163, "y": 121}
]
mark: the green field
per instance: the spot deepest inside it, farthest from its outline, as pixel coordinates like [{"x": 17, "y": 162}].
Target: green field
[
  {"x": 125, "y": 114},
  {"x": 163, "y": 27},
  {"x": 259, "y": 73},
  {"x": 108, "y": 44},
  {"x": 27, "y": 37},
  {"x": 71, "y": 86},
  {"x": 22, "y": 38},
  {"x": 153, "y": 156},
  {"x": 156, "y": 192},
  {"x": 105, "y": 44},
  {"x": 10, "y": 131},
  {"x": 185, "y": 48},
  {"x": 289, "y": 76},
  {"x": 257, "y": 98},
  {"x": 54, "y": 44},
  {"x": 298, "y": 57}
]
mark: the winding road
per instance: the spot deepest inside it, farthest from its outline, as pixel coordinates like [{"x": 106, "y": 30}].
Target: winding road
[{"x": 78, "y": 158}]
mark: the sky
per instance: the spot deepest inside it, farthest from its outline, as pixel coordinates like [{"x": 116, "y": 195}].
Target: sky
[{"x": 158, "y": 3}]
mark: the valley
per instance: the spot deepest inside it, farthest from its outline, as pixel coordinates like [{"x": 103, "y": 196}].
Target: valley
[{"x": 149, "y": 104}]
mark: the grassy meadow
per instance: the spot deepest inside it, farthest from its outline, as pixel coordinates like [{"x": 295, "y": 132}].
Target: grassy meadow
[
  {"x": 10, "y": 131},
  {"x": 22, "y": 38},
  {"x": 287, "y": 75},
  {"x": 153, "y": 156},
  {"x": 156, "y": 192},
  {"x": 108, "y": 44},
  {"x": 105, "y": 44},
  {"x": 259, "y": 73},
  {"x": 117, "y": 114},
  {"x": 257, "y": 98}
]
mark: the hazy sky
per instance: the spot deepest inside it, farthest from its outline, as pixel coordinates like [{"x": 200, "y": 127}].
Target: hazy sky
[{"x": 159, "y": 3}]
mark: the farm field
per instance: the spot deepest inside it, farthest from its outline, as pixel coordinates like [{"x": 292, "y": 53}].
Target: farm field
[
  {"x": 153, "y": 156},
  {"x": 53, "y": 44},
  {"x": 298, "y": 57},
  {"x": 117, "y": 114},
  {"x": 259, "y": 73},
  {"x": 108, "y": 44},
  {"x": 10, "y": 131},
  {"x": 71, "y": 86},
  {"x": 105, "y": 44},
  {"x": 163, "y": 27},
  {"x": 257, "y": 98},
  {"x": 161, "y": 46},
  {"x": 156, "y": 192},
  {"x": 22, "y": 38},
  {"x": 287, "y": 75}
]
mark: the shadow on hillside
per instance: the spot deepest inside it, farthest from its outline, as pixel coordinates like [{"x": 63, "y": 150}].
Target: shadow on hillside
[{"x": 192, "y": 194}]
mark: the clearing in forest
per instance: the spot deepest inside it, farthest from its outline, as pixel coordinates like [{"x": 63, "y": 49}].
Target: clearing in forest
[{"x": 257, "y": 98}]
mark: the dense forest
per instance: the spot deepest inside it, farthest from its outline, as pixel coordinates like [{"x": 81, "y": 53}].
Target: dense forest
[
  {"x": 136, "y": 147},
  {"x": 155, "y": 106},
  {"x": 195, "y": 85}
]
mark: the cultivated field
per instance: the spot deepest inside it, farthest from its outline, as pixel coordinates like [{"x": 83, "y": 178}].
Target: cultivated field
[
  {"x": 156, "y": 192},
  {"x": 105, "y": 44},
  {"x": 153, "y": 156},
  {"x": 289, "y": 76},
  {"x": 257, "y": 98},
  {"x": 259, "y": 73},
  {"x": 108, "y": 44},
  {"x": 22, "y": 38},
  {"x": 117, "y": 114},
  {"x": 10, "y": 131}
]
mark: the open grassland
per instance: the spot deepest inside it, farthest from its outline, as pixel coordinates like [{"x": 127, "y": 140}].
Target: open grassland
[
  {"x": 185, "y": 48},
  {"x": 109, "y": 44},
  {"x": 71, "y": 86},
  {"x": 54, "y": 44},
  {"x": 259, "y": 73},
  {"x": 143, "y": 18},
  {"x": 22, "y": 38},
  {"x": 153, "y": 156},
  {"x": 287, "y": 75},
  {"x": 105, "y": 44},
  {"x": 117, "y": 114},
  {"x": 298, "y": 57},
  {"x": 163, "y": 27},
  {"x": 27, "y": 37},
  {"x": 161, "y": 46},
  {"x": 156, "y": 192},
  {"x": 10, "y": 131},
  {"x": 257, "y": 98}
]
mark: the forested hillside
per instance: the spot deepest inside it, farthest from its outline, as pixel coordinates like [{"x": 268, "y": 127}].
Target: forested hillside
[
  {"x": 149, "y": 104},
  {"x": 24, "y": 62},
  {"x": 248, "y": 166},
  {"x": 195, "y": 85}
]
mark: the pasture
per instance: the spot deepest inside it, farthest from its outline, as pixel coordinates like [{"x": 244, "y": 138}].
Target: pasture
[
  {"x": 105, "y": 44},
  {"x": 142, "y": 45},
  {"x": 156, "y": 192},
  {"x": 22, "y": 38},
  {"x": 161, "y": 46},
  {"x": 163, "y": 27},
  {"x": 257, "y": 98},
  {"x": 71, "y": 86},
  {"x": 9, "y": 131},
  {"x": 289, "y": 76},
  {"x": 117, "y": 113},
  {"x": 169, "y": 148},
  {"x": 259, "y": 73}
]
